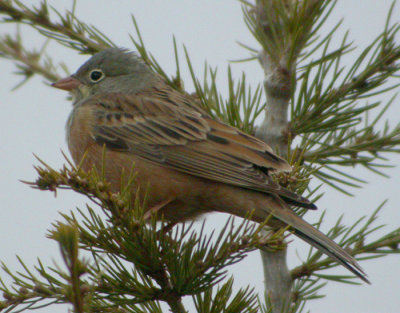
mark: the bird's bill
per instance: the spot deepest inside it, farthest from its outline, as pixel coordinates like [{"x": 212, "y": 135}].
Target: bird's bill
[{"x": 68, "y": 83}]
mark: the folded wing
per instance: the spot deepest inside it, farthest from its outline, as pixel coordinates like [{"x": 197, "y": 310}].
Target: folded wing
[{"x": 187, "y": 141}]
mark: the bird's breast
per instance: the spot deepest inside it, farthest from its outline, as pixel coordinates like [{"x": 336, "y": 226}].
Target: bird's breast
[{"x": 79, "y": 128}]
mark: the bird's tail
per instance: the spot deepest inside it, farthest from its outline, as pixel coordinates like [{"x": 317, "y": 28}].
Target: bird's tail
[
  {"x": 313, "y": 236},
  {"x": 333, "y": 250}
]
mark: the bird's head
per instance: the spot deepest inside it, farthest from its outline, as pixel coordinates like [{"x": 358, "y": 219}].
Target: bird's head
[{"x": 112, "y": 70}]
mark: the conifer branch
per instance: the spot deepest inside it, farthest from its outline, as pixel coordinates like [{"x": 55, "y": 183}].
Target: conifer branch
[
  {"x": 68, "y": 30},
  {"x": 167, "y": 265},
  {"x": 28, "y": 63},
  {"x": 283, "y": 29}
]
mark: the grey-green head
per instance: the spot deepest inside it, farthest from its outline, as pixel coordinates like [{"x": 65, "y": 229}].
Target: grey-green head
[{"x": 111, "y": 70}]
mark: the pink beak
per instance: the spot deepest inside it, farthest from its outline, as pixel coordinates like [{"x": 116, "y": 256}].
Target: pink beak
[{"x": 67, "y": 83}]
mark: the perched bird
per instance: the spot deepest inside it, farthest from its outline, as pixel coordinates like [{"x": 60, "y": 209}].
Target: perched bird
[{"x": 190, "y": 163}]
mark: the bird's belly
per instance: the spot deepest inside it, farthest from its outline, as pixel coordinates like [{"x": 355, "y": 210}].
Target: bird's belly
[{"x": 181, "y": 194}]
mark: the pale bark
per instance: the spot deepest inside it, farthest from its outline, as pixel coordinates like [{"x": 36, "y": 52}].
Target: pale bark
[
  {"x": 277, "y": 278},
  {"x": 273, "y": 130}
]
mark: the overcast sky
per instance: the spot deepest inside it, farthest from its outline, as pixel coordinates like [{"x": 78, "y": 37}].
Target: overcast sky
[{"x": 33, "y": 121}]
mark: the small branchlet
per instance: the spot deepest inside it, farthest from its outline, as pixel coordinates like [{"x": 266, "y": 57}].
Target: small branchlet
[
  {"x": 243, "y": 301},
  {"x": 334, "y": 125},
  {"x": 76, "y": 291},
  {"x": 68, "y": 31},
  {"x": 28, "y": 63}
]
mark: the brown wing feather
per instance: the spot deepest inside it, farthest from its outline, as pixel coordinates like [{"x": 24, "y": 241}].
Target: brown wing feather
[{"x": 187, "y": 141}]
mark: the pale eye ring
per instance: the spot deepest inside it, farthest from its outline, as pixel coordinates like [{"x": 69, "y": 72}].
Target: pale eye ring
[{"x": 96, "y": 75}]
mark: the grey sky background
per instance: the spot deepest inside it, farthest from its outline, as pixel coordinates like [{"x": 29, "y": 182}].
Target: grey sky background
[{"x": 32, "y": 120}]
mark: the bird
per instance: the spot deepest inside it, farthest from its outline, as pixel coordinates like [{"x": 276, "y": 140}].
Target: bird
[{"x": 126, "y": 116}]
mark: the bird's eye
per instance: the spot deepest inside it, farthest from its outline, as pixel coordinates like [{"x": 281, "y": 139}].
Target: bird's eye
[{"x": 96, "y": 75}]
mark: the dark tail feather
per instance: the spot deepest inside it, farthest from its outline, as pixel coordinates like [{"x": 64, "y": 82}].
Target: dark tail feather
[
  {"x": 339, "y": 255},
  {"x": 279, "y": 209},
  {"x": 301, "y": 202},
  {"x": 294, "y": 199}
]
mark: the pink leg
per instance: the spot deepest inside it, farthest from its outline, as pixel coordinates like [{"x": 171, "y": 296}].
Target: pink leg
[{"x": 156, "y": 208}]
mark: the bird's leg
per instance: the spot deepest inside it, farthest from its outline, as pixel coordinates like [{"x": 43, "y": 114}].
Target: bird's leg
[{"x": 156, "y": 208}]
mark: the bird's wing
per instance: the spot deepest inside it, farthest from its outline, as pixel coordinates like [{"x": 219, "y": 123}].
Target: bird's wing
[{"x": 187, "y": 141}]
